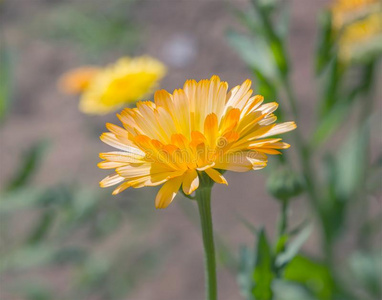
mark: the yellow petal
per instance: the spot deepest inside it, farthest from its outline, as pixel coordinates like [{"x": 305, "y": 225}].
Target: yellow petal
[
  {"x": 211, "y": 129},
  {"x": 122, "y": 157},
  {"x": 280, "y": 128},
  {"x": 242, "y": 161},
  {"x": 230, "y": 120},
  {"x": 168, "y": 192},
  {"x": 252, "y": 104},
  {"x": 268, "y": 151},
  {"x": 109, "y": 164},
  {"x": 216, "y": 176},
  {"x": 110, "y": 180},
  {"x": 239, "y": 95},
  {"x": 190, "y": 182},
  {"x": 110, "y": 139},
  {"x": 121, "y": 188}
]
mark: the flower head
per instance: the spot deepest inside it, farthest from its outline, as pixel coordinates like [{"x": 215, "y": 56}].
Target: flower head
[
  {"x": 77, "y": 80},
  {"x": 345, "y": 11},
  {"x": 358, "y": 24},
  {"x": 198, "y": 129},
  {"x": 107, "y": 89}
]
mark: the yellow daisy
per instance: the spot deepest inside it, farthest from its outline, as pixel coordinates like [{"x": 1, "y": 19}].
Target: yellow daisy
[
  {"x": 345, "y": 11},
  {"x": 358, "y": 24},
  {"x": 77, "y": 80},
  {"x": 361, "y": 35},
  {"x": 200, "y": 129},
  {"x": 107, "y": 89}
]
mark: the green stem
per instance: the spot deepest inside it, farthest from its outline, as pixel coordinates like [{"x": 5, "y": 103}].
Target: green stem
[
  {"x": 366, "y": 112},
  {"x": 291, "y": 98},
  {"x": 283, "y": 223},
  {"x": 302, "y": 148},
  {"x": 203, "y": 198}
]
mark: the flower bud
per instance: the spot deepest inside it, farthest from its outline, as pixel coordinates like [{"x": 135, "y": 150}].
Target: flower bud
[{"x": 284, "y": 184}]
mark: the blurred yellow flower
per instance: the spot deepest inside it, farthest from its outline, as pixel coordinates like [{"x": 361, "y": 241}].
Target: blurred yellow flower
[
  {"x": 358, "y": 24},
  {"x": 347, "y": 10},
  {"x": 107, "y": 89},
  {"x": 198, "y": 129},
  {"x": 77, "y": 80},
  {"x": 361, "y": 35}
]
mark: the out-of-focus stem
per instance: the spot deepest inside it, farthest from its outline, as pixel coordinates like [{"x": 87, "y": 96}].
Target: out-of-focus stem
[
  {"x": 283, "y": 222},
  {"x": 366, "y": 111},
  {"x": 302, "y": 148}
]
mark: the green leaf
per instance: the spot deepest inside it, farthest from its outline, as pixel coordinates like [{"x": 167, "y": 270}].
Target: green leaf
[
  {"x": 293, "y": 247},
  {"x": 282, "y": 27},
  {"x": 27, "y": 257},
  {"x": 286, "y": 290},
  {"x": 22, "y": 198},
  {"x": 70, "y": 255},
  {"x": 333, "y": 207},
  {"x": 255, "y": 54},
  {"x": 5, "y": 78},
  {"x": 244, "y": 278},
  {"x": 248, "y": 18},
  {"x": 374, "y": 177},
  {"x": 340, "y": 102},
  {"x": 273, "y": 38},
  {"x": 296, "y": 230},
  {"x": 325, "y": 41},
  {"x": 34, "y": 291},
  {"x": 248, "y": 224},
  {"x": 266, "y": 5},
  {"x": 263, "y": 274},
  {"x": 281, "y": 243},
  {"x": 330, "y": 123},
  {"x": 368, "y": 51},
  {"x": 42, "y": 228},
  {"x": 30, "y": 162},
  {"x": 224, "y": 254},
  {"x": 367, "y": 271},
  {"x": 313, "y": 275},
  {"x": 333, "y": 80},
  {"x": 351, "y": 163}
]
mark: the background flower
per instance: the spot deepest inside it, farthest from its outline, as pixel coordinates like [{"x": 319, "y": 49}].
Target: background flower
[
  {"x": 358, "y": 25},
  {"x": 106, "y": 89}
]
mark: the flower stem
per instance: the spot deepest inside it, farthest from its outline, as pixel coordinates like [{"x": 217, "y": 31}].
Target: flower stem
[
  {"x": 283, "y": 222},
  {"x": 203, "y": 198}
]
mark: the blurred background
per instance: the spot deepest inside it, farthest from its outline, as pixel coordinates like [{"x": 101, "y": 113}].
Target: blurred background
[{"x": 62, "y": 237}]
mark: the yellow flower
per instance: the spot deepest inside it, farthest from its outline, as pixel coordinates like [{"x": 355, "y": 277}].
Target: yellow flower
[
  {"x": 345, "y": 11},
  {"x": 198, "y": 129},
  {"x": 76, "y": 81},
  {"x": 360, "y": 36},
  {"x": 358, "y": 24},
  {"x": 105, "y": 90}
]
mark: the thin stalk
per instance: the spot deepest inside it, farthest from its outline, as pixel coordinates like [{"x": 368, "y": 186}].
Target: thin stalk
[
  {"x": 203, "y": 198},
  {"x": 291, "y": 98},
  {"x": 366, "y": 112},
  {"x": 302, "y": 148},
  {"x": 283, "y": 222}
]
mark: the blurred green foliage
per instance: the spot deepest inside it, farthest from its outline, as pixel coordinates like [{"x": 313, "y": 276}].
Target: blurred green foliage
[
  {"x": 92, "y": 29},
  {"x": 64, "y": 222},
  {"x": 334, "y": 180},
  {"x": 6, "y": 82}
]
